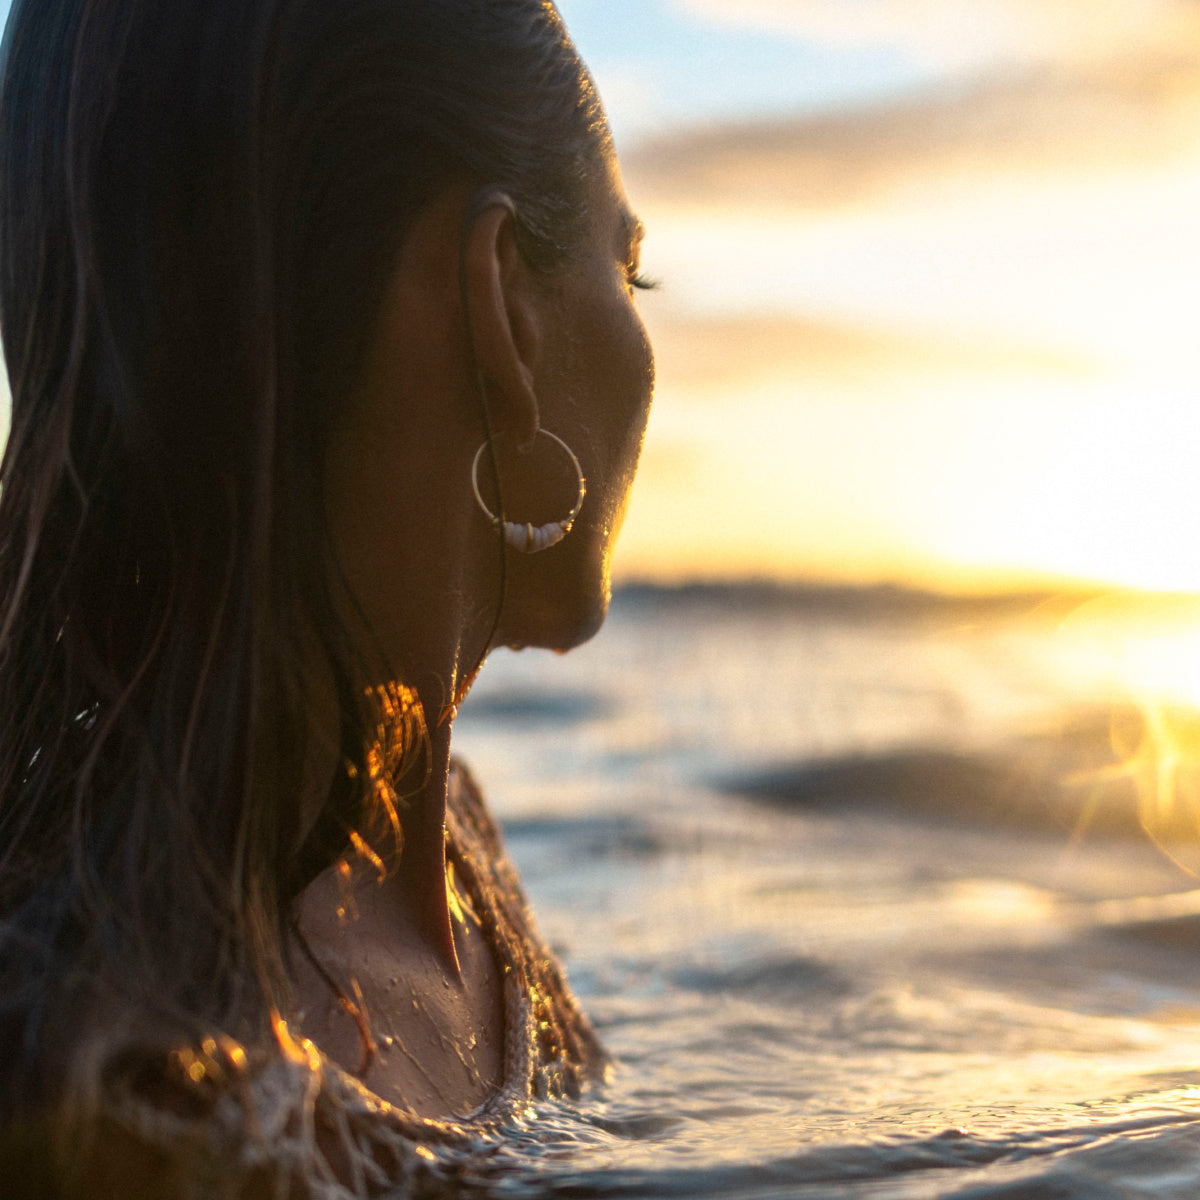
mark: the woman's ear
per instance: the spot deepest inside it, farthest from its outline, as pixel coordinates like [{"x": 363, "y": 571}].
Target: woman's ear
[{"x": 502, "y": 315}]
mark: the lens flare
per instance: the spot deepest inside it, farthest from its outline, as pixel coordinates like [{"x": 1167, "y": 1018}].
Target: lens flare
[{"x": 1153, "y": 649}]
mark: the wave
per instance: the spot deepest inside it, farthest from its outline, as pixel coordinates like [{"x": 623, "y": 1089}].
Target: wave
[
  {"x": 1103, "y": 1157},
  {"x": 1102, "y": 770}
]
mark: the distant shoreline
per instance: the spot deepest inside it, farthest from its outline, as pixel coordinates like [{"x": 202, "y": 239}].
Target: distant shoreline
[{"x": 886, "y": 599}]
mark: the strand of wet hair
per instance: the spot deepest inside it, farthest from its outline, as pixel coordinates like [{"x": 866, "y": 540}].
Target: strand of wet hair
[
  {"x": 479, "y": 202},
  {"x": 356, "y": 1010}
]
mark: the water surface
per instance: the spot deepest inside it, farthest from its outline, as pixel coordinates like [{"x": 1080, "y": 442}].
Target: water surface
[{"x": 857, "y": 891}]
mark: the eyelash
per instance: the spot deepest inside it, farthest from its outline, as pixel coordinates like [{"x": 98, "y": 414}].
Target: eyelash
[{"x": 643, "y": 283}]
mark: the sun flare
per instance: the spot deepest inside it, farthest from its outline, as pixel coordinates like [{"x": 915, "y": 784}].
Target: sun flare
[{"x": 1145, "y": 653}]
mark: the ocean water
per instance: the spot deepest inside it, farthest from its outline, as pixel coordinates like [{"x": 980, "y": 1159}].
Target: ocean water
[{"x": 869, "y": 895}]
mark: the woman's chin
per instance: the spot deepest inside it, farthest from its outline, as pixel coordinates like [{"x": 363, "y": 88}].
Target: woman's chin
[
  {"x": 560, "y": 604},
  {"x": 563, "y": 622}
]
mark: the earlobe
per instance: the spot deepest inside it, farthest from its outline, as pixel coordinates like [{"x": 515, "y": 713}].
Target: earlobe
[{"x": 503, "y": 321}]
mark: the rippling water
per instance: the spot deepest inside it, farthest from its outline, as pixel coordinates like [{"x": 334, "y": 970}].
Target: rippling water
[{"x": 856, "y": 890}]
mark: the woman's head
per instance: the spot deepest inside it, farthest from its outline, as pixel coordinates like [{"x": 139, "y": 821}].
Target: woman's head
[
  {"x": 203, "y": 205},
  {"x": 201, "y": 209}
]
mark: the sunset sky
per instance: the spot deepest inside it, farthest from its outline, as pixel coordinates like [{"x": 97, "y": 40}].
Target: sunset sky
[{"x": 931, "y": 285}]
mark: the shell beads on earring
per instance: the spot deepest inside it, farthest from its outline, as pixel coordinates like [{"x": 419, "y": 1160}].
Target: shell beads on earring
[{"x": 529, "y": 538}]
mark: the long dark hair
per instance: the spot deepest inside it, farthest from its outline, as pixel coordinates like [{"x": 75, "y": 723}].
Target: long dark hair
[{"x": 200, "y": 205}]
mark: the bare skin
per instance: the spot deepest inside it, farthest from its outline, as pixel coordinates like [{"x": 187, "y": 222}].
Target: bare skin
[
  {"x": 564, "y": 352},
  {"x": 436, "y": 1026}
]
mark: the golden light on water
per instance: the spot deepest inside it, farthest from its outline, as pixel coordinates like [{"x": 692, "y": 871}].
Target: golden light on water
[
  {"x": 1151, "y": 648},
  {"x": 1160, "y": 757}
]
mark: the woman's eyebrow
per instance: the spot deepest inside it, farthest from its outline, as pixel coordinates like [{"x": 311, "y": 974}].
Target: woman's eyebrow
[{"x": 630, "y": 233}]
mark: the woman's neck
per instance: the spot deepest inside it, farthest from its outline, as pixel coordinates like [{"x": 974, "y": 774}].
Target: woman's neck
[
  {"x": 389, "y": 983},
  {"x": 421, "y": 873}
]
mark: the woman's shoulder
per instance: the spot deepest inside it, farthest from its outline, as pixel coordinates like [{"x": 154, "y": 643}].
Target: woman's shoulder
[
  {"x": 475, "y": 848},
  {"x": 466, "y": 807},
  {"x": 234, "y": 1124},
  {"x": 562, "y": 1048}
]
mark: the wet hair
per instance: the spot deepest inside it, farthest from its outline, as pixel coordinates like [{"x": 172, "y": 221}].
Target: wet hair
[{"x": 201, "y": 203}]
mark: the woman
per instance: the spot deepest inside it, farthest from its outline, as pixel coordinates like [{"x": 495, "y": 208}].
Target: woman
[{"x": 326, "y": 379}]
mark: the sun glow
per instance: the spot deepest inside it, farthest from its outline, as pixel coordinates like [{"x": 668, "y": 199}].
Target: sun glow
[
  {"x": 1145, "y": 655},
  {"x": 1167, "y": 669},
  {"x": 1157, "y": 752},
  {"x": 947, "y": 341},
  {"x": 1151, "y": 645}
]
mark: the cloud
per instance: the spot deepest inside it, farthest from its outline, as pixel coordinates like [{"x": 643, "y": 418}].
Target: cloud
[
  {"x": 957, "y": 34},
  {"x": 1130, "y": 113},
  {"x": 953, "y": 326},
  {"x": 1058, "y": 207},
  {"x": 718, "y": 354}
]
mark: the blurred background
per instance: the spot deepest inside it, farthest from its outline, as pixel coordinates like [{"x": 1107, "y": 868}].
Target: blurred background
[
  {"x": 931, "y": 279},
  {"x": 870, "y": 824},
  {"x": 869, "y": 827}
]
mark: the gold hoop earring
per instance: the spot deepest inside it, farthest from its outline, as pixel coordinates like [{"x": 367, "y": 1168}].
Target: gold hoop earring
[{"x": 530, "y": 538}]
